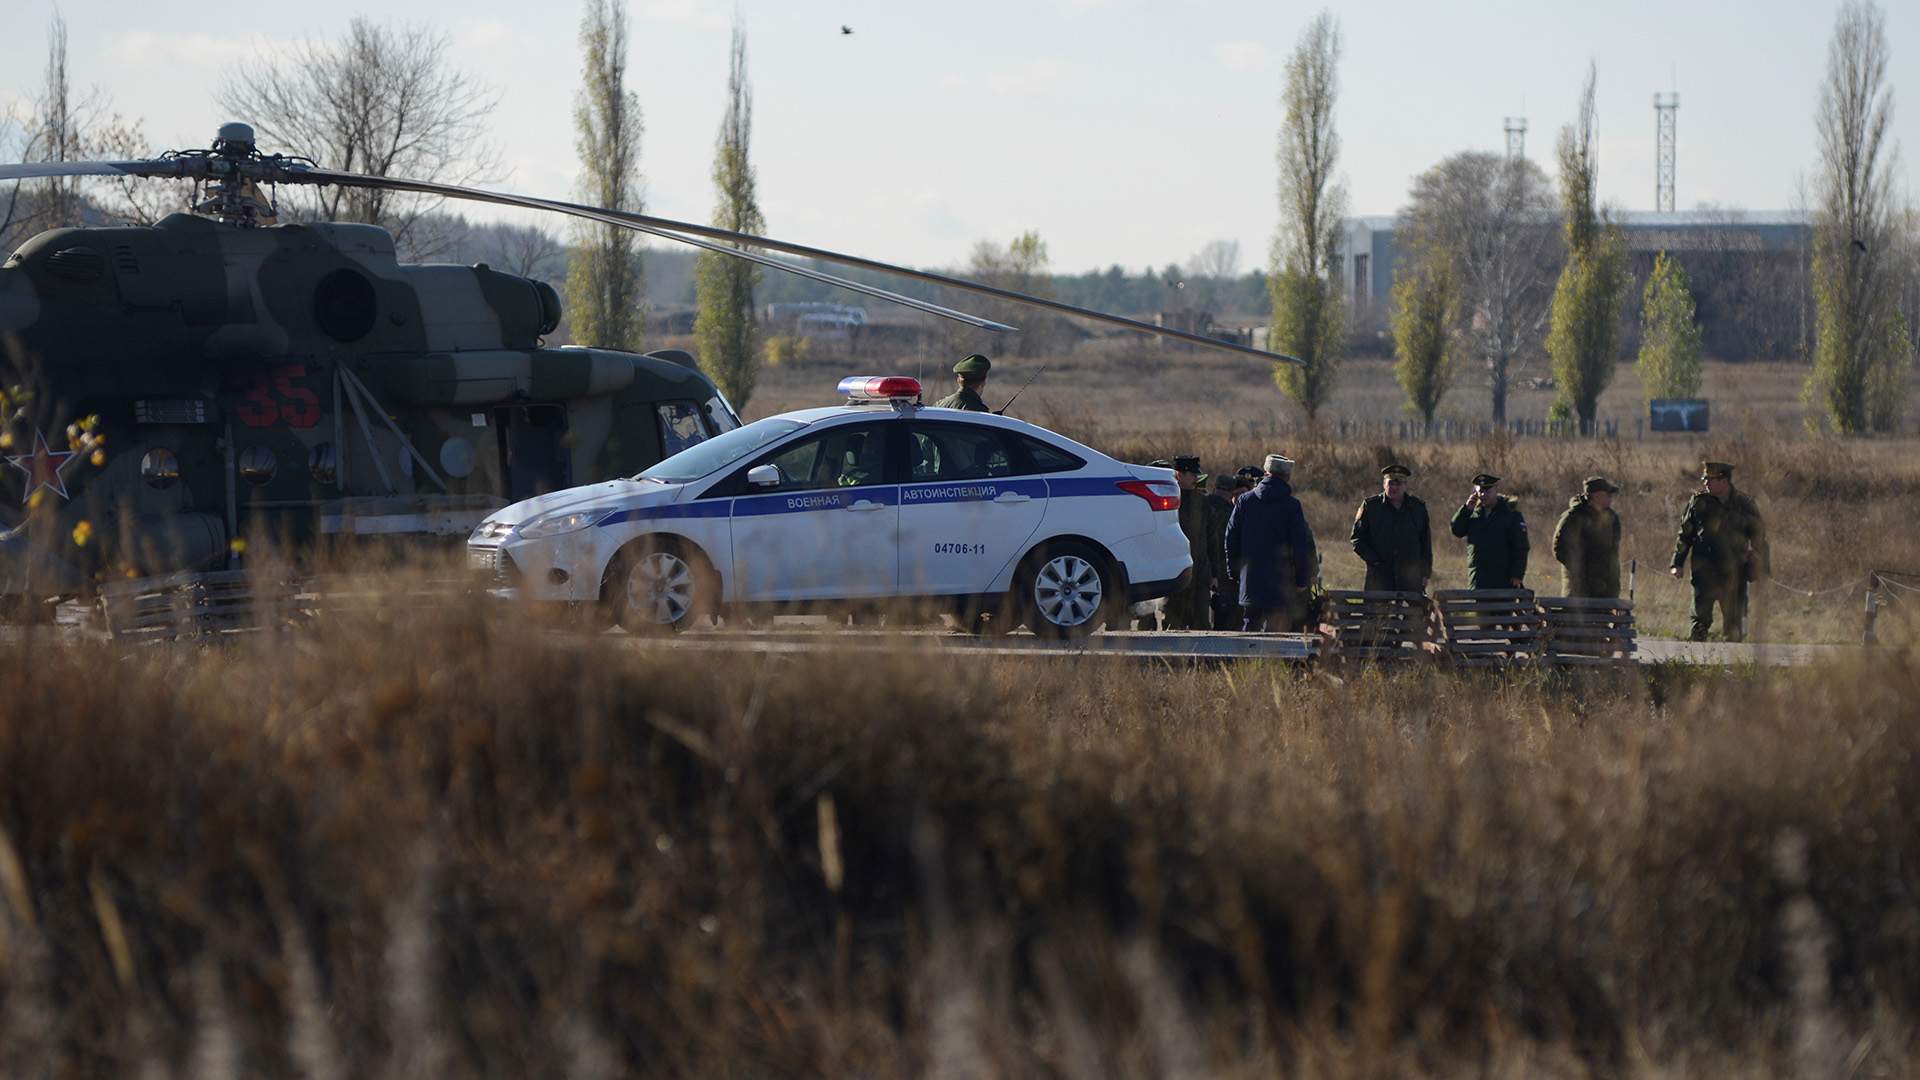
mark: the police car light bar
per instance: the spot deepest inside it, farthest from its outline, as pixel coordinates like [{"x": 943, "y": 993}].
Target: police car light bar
[{"x": 879, "y": 387}]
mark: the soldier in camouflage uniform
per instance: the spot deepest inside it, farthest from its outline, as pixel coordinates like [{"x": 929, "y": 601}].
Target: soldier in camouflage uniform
[
  {"x": 1724, "y": 533},
  {"x": 1587, "y": 541},
  {"x": 1496, "y": 535},
  {"x": 1192, "y": 607},
  {"x": 1391, "y": 535},
  {"x": 970, "y": 377}
]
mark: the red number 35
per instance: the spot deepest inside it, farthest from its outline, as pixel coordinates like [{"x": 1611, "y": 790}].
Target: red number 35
[{"x": 280, "y": 401}]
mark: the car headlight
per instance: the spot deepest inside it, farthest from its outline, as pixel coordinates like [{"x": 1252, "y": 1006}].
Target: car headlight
[{"x": 560, "y": 524}]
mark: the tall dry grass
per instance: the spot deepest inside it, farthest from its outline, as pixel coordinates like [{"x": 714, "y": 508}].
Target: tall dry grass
[{"x": 448, "y": 839}]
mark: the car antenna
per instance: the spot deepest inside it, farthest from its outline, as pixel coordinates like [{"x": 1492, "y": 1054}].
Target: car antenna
[{"x": 1002, "y": 410}]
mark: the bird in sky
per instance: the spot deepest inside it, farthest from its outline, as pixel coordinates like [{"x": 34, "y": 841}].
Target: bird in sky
[{"x": 845, "y": 29}]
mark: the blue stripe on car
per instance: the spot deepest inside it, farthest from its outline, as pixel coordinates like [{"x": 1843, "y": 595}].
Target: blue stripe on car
[
  {"x": 924, "y": 494},
  {"x": 715, "y": 508},
  {"x": 1074, "y": 486},
  {"x": 806, "y": 502}
]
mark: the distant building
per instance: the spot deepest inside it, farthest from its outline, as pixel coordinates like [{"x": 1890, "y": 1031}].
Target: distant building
[{"x": 1748, "y": 270}]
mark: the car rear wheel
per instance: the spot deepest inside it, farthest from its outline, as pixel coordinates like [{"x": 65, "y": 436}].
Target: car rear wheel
[
  {"x": 1067, "y": 591},
  {"x": 659, "y": 587}
]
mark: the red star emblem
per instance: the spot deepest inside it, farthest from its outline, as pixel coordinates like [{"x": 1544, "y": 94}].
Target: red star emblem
[{"x": 43, "y": 467}]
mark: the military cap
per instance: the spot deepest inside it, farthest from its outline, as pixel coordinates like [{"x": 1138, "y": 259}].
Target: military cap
[
  {"x": 1715, "y": 470},
  {"x": 1226, "y": 482},
  {"x": 1600, "y": 483},
  {"x": 1397, "y": 469},
  {"x": 1161, "y": 463},
  {"x": 1485, "y": 479},
  {"x": 1186, "y": 463},
  {"x": 973, "y": 365},
  {"x": 1248, "y": 472},
  {"x": 1280, "y": 464}
]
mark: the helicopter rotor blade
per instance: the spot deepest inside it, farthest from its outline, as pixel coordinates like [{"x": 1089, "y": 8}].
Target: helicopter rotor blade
[
  {"x": 612, "y": 218},
  {"x": 44, "y": 170},
  {"x": 685, "y": 231}
]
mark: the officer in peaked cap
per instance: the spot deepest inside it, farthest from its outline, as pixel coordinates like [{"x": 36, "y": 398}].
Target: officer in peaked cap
[
  {"x": 1587, "y": 541},
  {"x": 1496, "y": 536},
  {"x": 1192, "y": 607},
  {"x": 1723, "y": 531},
  {"x": 1391, "y": 535},
  {"x": 970, "y": 377}
]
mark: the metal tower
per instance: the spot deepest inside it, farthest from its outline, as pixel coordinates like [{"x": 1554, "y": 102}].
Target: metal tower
[
  {"x": 1516, "y": 136},
  {"x": 1665, "y": 107}
]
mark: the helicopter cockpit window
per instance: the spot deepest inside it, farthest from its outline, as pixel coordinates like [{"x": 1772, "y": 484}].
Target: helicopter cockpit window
[
  {"x": 720, "y": 415},
  {"x": 679, "y": 426}
]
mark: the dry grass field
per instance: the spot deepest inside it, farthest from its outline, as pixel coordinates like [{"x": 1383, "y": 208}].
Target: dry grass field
[{"x": 446, "y": 841}]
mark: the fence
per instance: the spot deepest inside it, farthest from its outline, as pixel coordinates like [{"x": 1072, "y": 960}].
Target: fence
[{"x": 1441, "y": 430}]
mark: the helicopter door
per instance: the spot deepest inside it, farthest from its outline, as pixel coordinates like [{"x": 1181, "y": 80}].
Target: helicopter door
[{"x": 533, "y": 450}]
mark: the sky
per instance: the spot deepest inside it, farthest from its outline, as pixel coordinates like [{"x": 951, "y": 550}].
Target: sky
[{"x": 1130, "y": 132}]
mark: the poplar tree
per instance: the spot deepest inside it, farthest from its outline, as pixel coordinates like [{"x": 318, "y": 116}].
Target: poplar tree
[
  {"x": 604, "y": 282},
  {"x": 1423, "y": 317},
  {"x": 1308, "y": 317},
  {"x": 1669, "y": 361},
  {"x": 726, "y": 330},
  {"x": 1585, "y": 328}
]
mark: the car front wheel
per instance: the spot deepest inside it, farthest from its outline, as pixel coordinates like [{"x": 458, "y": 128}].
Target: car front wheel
[
  {"x": 1067, "y": 591},
  {"x": 660, "y": 587}
]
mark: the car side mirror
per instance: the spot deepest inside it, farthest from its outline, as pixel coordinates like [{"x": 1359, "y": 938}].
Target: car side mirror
[{"x": 763, "y": 476}]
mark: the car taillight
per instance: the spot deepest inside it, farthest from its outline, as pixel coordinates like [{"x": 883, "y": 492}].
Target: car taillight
[{"x": 1160, "y": 494}]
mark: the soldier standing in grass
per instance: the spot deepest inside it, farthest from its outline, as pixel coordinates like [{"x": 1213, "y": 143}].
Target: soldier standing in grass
[
  {"x": 1391, "y": 535},
  {"x": 1192, "y": 607},
  {"x": 1724, "y": 533},
  {"x": 1270, "y": 547},
  {"x": 1496, "y": 535},
  {"x": 970, "y": 377},
  {"x": 1587, "y": 541}
]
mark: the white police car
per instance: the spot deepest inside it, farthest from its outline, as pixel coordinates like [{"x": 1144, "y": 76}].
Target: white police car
[{"x": 879, "y": 499}]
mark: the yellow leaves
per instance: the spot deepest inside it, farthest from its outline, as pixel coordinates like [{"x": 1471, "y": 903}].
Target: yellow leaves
[
  {"x": 82, "y": 532},
  {"x": 6, "y": 440},
  {"x": 38, "y": 497},
  {"x": 99, "y": 459},
  {"x": 237, "y": 545}
]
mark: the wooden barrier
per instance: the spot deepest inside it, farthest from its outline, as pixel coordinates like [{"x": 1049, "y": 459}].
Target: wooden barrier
[
  {"x": 1588, "y": 631},
  {"x": 1489, "y": 627},
  {"x": 191, "y": 604},
  {"x": 1374, "y": 625}
]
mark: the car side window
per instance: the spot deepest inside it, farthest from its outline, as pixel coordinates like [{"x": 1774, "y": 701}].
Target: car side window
[
  {"x": 848, "y": 456},
  {"x": 957, "y": 452},
  {"x": 679, "y": 426},
  {"x": 1045, "y": 457}
]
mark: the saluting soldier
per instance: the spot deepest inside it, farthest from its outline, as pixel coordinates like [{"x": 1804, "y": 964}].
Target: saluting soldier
[
  {"x": 969, "y": 378},
  {"x": 1724, "y": 533},
  {"x": 1391, "y": 535},
  {"x": 1192, "y": 607},
  {"x": 1496, "y": 535},
  {"x": 1587, "y": 541}
]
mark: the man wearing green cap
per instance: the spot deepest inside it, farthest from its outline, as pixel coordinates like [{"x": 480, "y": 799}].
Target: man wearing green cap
[
  {"x": 970, "y": 377},
  {"x": 1496, "y": 536},
  {"x": 1391, "y": 535},
  {"x": 1724, "y": 533},
  {"x": 1587, "y": 541}
]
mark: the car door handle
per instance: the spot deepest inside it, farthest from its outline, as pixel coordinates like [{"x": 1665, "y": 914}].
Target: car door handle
[
  {"x": 867, "y": 504},
  {"x": 1013, "y": 497}
]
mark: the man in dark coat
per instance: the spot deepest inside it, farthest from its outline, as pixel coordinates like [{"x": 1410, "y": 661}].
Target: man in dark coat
[
  {"x": 1270, "y": 547},
  {"x": 1391, "y": 535},
  {"x": 1723, "y": 532},
  {"x": 1496, "y": 535},
  {"x": 1192, "y": 607},
  {"x": 1587, "y": 541}
]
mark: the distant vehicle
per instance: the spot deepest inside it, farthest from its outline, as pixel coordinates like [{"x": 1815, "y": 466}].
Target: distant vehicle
[{"x": 880, "y": 499}]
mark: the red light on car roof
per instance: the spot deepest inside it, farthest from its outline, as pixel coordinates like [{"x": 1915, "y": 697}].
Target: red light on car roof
[
  {"x": 1160, "y": 494},
  {"x": 876, "y": 387}
]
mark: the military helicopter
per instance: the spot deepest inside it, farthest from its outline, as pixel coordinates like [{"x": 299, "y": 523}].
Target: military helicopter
[{"x": 216, "y": 373}]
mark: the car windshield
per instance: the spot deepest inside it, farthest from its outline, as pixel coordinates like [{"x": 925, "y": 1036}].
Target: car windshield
[{"x": 722, "y": 450}]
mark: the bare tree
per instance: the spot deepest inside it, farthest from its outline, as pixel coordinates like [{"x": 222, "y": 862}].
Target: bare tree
[
  {"x": 531, "y": 251},
  {"x": 383, "y": 101},
  {"x": 1307, "y": 322},
  {"x": 604, "y": 283},
  {"x": 1210, "y": 273},
  {"x": 1489, "y": 220},
  {"x": 1855, "y": 234}
]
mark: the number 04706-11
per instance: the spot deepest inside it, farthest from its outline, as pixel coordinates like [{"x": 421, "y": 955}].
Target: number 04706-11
[{"x": 959, "y": 549}]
